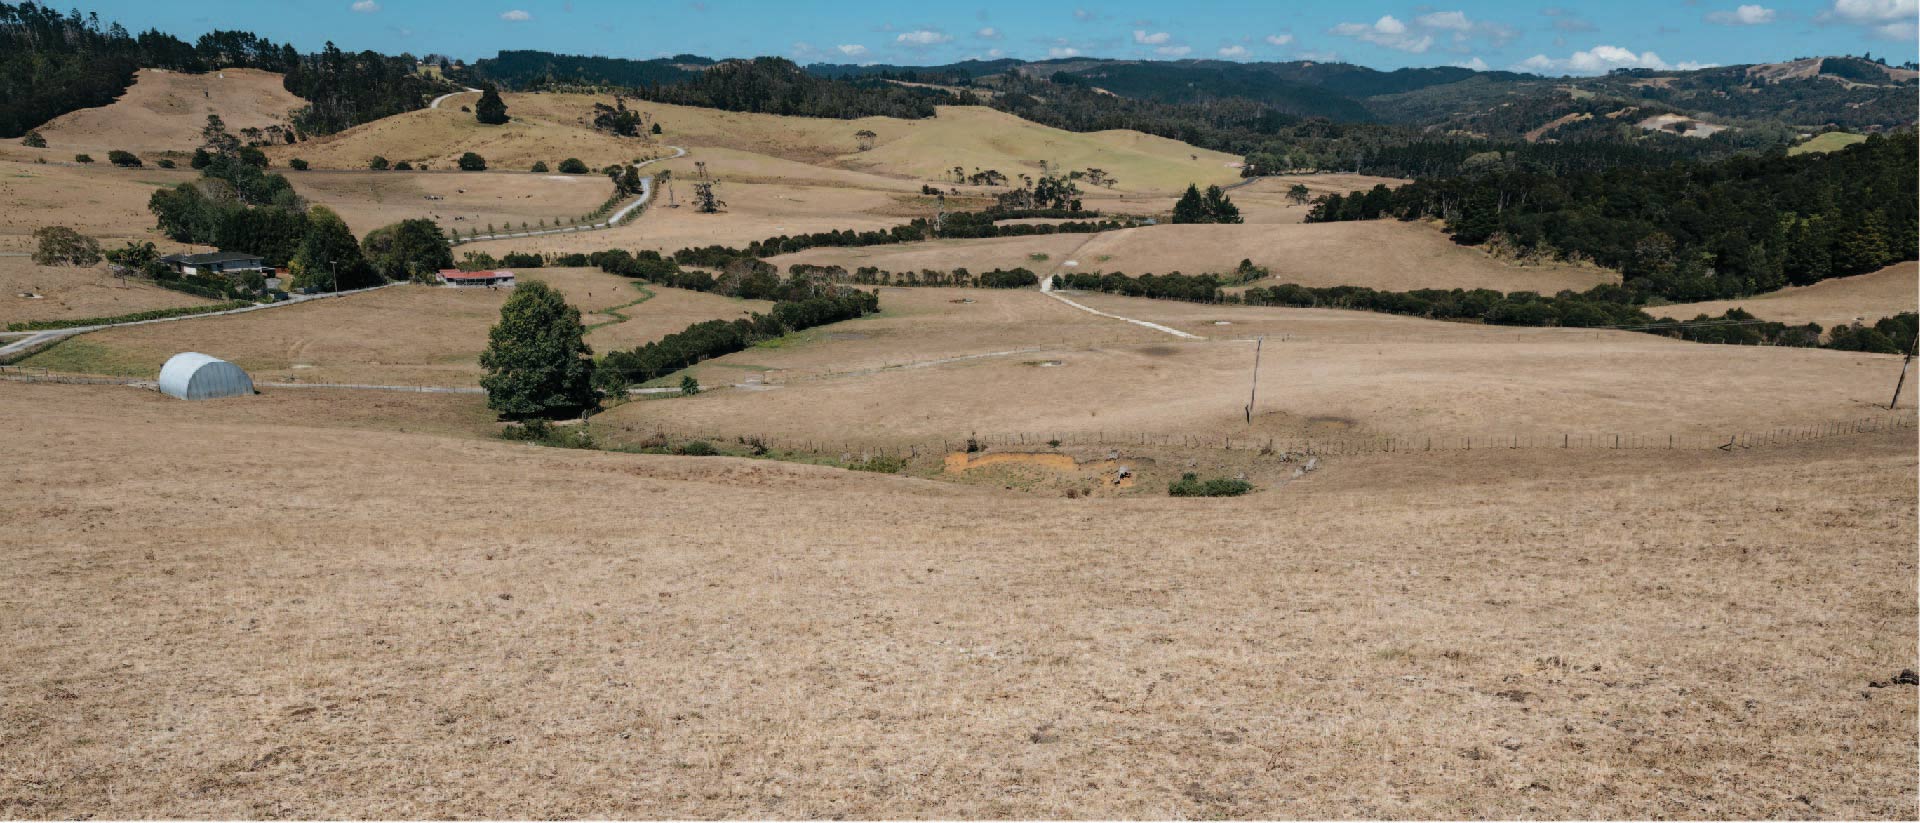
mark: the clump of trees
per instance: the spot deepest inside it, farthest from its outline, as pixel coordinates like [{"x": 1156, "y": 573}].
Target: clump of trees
[
  {"x": 123, "y": 159},
  {"x": 413, "y": 249},
  {"x": 537, "y": 360},
  {"x": 573, "y": 165},
  {"x": 714, "y": 338},
  {"x": 328, "y": 258},
  {"x": 472, "y": 162},
  {"x": 33, "y": 140},
  {"x": 62, "y": 246},
  {"x": 1213, "y": 207}
]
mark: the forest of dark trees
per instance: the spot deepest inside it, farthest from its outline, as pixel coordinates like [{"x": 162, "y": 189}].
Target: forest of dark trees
[
  {"x": 772, "y": 85},
  {"x": 1690, "y": 231},
  {"x": 53, "y": 63}
]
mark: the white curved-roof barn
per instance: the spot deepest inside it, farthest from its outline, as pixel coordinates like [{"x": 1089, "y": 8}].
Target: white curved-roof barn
[{"x": 195, "y": 376}]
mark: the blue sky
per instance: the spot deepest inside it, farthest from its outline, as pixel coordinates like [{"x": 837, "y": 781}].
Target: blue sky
[{"x": 1573, "y": 38}]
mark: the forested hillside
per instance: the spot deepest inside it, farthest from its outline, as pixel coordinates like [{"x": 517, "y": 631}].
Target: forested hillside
[
  {"x": 1693, "y": 231},
  {"x": 771, "y": 85},
  {"x": 522, "y": 70},
  {"x": 53, "y": 63}
]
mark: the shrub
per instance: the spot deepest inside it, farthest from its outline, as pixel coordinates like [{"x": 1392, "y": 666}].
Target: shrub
[
  {"x": 572, "y": 165},
  {"x": 472, "y": 162},
  {"x": 62, "y": 246},
  {"x": 539, "y": 431},
  {"x": 33, "y": 140},
  {"x": 403, "y": 166},
  {"x": 539, "y": 167},
  {"x": 123, "y": 159},
  {"x": 83, "y": 158},
  {"x": 696, "y": 448},
  {"x": 1190, "y": 485},
  {"x": 297, "y": 164},
  {"x": 656, "y": 128},
  {"x": 689, "y": 386},
  {"x": 164, "y": 163},
  {"x": 378, "y": 163},
  {"x": 883, "y": 464}
]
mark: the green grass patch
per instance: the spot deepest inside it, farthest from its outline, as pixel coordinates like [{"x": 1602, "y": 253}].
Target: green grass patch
[
  {"x": 81, "y": 356},
  {"x": 1831, "y": 141},
  {"x": 155, "y": 314},
  {"x": 645, "y": 295}
]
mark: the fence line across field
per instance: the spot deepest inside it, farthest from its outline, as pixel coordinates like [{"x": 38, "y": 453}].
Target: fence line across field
[{"x": 1303, "y": 445}]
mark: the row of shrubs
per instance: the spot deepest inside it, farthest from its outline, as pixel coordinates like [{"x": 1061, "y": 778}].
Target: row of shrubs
[
  {"x": 959, "y": 225},
  {"x": 151, "y": 314},
  {"x": 714, "y": 338}
]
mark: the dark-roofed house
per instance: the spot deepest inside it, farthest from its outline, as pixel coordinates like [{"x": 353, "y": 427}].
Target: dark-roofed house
[{"x": 215, "y": 262}]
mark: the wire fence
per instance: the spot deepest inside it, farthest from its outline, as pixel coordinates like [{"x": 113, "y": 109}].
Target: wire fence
[{"x": 1316, "y": 445}]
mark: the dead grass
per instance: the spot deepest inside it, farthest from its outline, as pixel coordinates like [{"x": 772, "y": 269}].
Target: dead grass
[
  {"x": 1511, "y": 635},
  {"x": 68, "y": 292},
  {"x": 369, "y": 200},
  {"x": 1861, "y": 299},
  {"x": 101, "y": 200},
  {"x": 406, "y": 335},
  {"x": 164, "y": 111},
  {"x": 1381, "y": 254}
]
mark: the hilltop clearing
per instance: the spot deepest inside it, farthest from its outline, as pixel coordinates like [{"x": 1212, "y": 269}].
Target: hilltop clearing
[{"x": 164, "y": 111}]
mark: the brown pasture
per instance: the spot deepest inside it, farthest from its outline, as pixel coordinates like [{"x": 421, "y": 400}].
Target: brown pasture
[{"x": 285, "y": 606}]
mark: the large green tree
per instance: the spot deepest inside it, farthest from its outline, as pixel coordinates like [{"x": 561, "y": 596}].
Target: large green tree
[
  {"x": 537, "y": 359},
  {"x": 491, "y": 110},
  {"x": 329, "y": 258},
  {"x": 408, "y": 250}
]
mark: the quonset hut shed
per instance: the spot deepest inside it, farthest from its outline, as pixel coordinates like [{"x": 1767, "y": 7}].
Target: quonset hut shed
[{"x": 195, "y": 376}]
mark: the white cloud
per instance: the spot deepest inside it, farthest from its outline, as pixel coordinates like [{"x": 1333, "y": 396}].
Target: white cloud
[
  {"x": 1173, "y": 51},
  {"x": 1449, "y": 20},
  {"x": 1890, "y": 19},
  {"x": 1085, "y": 16},
  {"x": 852, "y": 49},
  {"x": 923, "y": 37},
  {"x": 1234, "y": 52},
  {"x": 1425, "y": 30},
  {"x": 1319, "y": 56},
  {"x": 1279, "y": 39},
  {"x": 365, "y": 6},
  {"x": 1387, "y": 32},
  {"x": 1603, "y": 59},
  {"x": 516, "y": 16},
  {"x": 1142, "y": 37},
  {"x": 1743, "y": 16},
  {"x": 1063, "y": 51},
  {"x": 1476, "y": 64},
  {"x": 988, "y": 33}
]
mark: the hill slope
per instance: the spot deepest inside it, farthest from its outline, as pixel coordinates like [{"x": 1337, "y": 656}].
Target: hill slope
[{"x": 165, "y": 110}]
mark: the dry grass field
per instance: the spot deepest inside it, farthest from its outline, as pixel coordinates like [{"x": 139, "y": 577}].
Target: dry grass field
[
  {"x": 1021, "y": 362},
  {"x": 69, "y": 292},
  {"x": 164, "y": 111},
  {"x": 1382, "y": 254},
  {"x": 435, "y": 138},
  {"x": 405, "y": 335},
  {"x": 105, "y": 202},
  {"x": 370, "y": 199},
  {"x": 285, "y": 606},
  {"x": 1859, "y": 299}
]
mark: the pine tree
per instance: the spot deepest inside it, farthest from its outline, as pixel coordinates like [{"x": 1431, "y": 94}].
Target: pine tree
[
  {"x": 1220, "y": 208},
  {"x": 537, "y": 360},
  {"x": 491, "y": 110},
  {"x": 1190, "y": 209}
]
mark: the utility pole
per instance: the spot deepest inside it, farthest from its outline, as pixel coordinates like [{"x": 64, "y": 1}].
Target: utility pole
[
  {"x": 1254, "y": 392},
  {"x": 1904, "y": 363}
]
